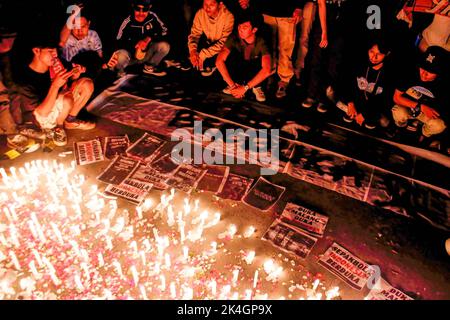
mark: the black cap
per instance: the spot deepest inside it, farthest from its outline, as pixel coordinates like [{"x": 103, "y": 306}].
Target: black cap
[
  {"x": 434, "y": 60},
  {"x": 145, "y": 3}
]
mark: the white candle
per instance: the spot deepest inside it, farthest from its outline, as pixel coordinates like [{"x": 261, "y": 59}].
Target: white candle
[
  {"x": 37, "y": 257},
  {"x": 173, "y": 290},
  {"x": 33, "y": 270},
  {"x": 167, "y": 261},
  {"x": 143, "y": 292},
  {"x": 78, "y": 283},
  {"x": 134, "y": 247},
  {"x": 248, "y": 294},
  {"x": 255, "y": 279},
  {"x": 250, "y": 257},
  {"x": 249, "y": 232},
  {"x": 101, "y": 261},
  {"x": 186, "y": 253},
  {"x": 15, "y": 261},
  {"x": 162, "y": 286},
  {"x": 135, "y": 275},
  {"x": 57, "y": 233},
  {"x": 143, "y": 258},
  {"x": 213, "y": 286},
  {"x": 118, "y": 267},
  {"x": 235, "y": 277}
]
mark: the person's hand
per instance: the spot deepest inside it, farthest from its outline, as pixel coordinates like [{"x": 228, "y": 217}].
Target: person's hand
[
  {"x": 78, "y": 70},
  {"x": 112, "y": 63},
  {"x": 297, "y": 15},
  {"x": 142, "y": 44},
  {"x": 429, "y": 112},
  {"x": 360, "y": 119},
  {"x": 238, "y": 91},
  {"x": 324, "y": 41},
  {"x": 195, "y": 59},
  {"x": 351, "y": 112},
  {"x": 61, "y": 79},
  {"x": 244, "y": 4}
]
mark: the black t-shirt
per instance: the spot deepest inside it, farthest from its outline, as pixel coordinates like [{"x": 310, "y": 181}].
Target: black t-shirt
[
  {"x": 371, "y": 88},
  {"x": 428, "y": 93},
  {"x": 248, "y": 52},
  {"x": 33, "y": 87}
]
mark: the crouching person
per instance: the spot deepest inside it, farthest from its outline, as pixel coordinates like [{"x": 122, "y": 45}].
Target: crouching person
[
  {"x": 245, "y": 61},
  {"x": 141, "y": 41},
  {"x": 53, "y": 100},
  {"x": 421, "y": 98}
]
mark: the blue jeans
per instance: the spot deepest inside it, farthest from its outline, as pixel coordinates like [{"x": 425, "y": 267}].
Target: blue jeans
[{"x": 154, "y": 55}]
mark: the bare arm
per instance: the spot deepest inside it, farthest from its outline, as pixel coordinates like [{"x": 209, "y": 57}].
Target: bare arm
[
  {"x": 64, "y": 36},
  {"x": 222, "y": 67},
  {"x": 400, "y": 100},
  {"x": 264, "y": 73},
  {"x": 323, "y": 23}
]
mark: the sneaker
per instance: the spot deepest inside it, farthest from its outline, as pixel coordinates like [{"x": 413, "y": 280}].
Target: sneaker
[
  {"x": 79, "y": 125},
  {"x": 228, "y": 89},
  {"x": 32, "y": 133},
  {"x": 308, "y": 103},
  {"x": 58, "y": 135},
  {"x": 259, "y": 94},
  {"x": 370, "y": 125},
  {"x": 153, "y": 70},
  {"x": 172, "y": 63},
  {"x": 412, "y": 125},
  {"x": 208, "y": 71},
  {"x": 281, "y": 92},
  {"x": 22, "y": 143},
  {"x": 322, "y": 108},
  {"x": 347, "y": 119},
  {"x": 185, "y": 66}
]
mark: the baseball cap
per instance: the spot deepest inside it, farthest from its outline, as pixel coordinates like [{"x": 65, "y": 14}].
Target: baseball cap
[
  {"x": 434, "y": 59},
  {"x": 145, "y": 3}
]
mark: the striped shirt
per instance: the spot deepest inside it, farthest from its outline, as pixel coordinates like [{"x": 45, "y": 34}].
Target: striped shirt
[{"x": 74, "y": 46}]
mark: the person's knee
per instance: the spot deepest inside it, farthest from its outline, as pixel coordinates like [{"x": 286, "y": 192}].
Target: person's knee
[
  {"x": 434, "y": 127},
  {"x": 163, "y": 47},
  {"x": 87, "y": 86},
  {"x": 400, "y": 114},
  {"x": 68, "y": 100}
]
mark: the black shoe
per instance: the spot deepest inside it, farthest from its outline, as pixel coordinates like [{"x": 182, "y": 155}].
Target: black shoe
[
  {"x": 391, "y": 131},
  {"x": 370, "y": 125},
  {"x": 412, "y": 125},
  {"x": 322, "y": 108},
  {"x": 347, "y": 119},
  {"x": 154, "y": 70}
]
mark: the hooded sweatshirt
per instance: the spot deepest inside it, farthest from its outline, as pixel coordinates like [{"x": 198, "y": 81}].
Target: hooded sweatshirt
[{"x": 216, "y": 31}]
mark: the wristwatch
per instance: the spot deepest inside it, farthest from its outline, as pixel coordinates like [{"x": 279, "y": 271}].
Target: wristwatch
[{"x": 417, "y": 110}]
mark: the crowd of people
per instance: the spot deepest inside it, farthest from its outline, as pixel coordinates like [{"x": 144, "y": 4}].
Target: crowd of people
[{"x": 320, "y": 47}]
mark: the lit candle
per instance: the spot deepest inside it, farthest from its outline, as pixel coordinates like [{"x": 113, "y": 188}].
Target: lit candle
[
  {"x": 173, "y": 290},
  {"x": 213, "y": 286},
  {"x": 139, "y": 212},
  {"x": 255, "y": 279},
  {"x": 162, "y": 286},
  {"x": 78, "y": 283},
  {"x": 167, "y": 261},
  {"x": 143, "y": 292},
  {"x": 235, "y": 277},
  {"x": 15, "y": 261},
  {"x": 101, "y": 261},
  {"x": 135, "y": 275},
  {"x": 118, "y": 267},
  {"x": 33, "y": 270},
  {"x": 37, "y": 257},
  {"x": 250, "y": 257},
  {"x": 143, "y": 258},
  {"x": 248, "y": 294},
  {"x": 186, "y": 253},
  {"x": 57, "y": 233},
  {"x": 249, "y": 232},
  {"x": 213, "y": 250}
]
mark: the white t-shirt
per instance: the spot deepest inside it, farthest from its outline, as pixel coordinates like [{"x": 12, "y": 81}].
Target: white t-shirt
[
  {"x": 438, "y": 32},
  {"x": 74, "y": 46}
]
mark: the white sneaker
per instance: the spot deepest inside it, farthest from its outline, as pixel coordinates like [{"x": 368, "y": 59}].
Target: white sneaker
[
  {"x": 208, "y": 71},
  {"x": 259, "y": 94},
  {"x": 228, "y": 89}
]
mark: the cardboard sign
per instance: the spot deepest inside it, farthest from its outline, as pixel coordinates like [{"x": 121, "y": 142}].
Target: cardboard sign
[{"x": 305, "y": 219}]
